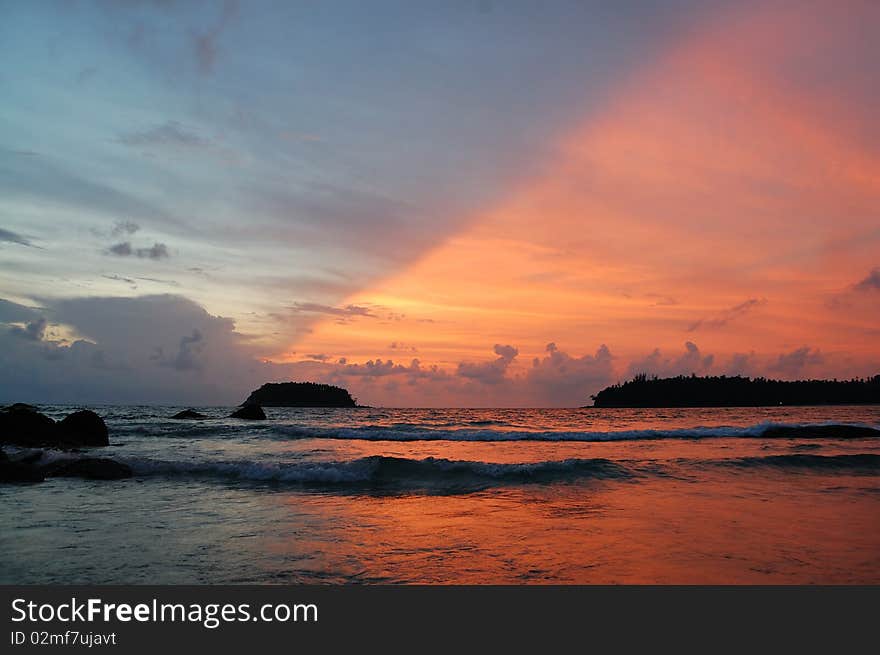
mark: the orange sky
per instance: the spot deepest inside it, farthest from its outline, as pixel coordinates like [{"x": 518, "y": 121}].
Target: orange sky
[{"x": 716, "y": 200}]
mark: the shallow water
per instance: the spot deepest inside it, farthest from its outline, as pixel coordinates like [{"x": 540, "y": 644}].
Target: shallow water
[{"x": 468, "y": 496}]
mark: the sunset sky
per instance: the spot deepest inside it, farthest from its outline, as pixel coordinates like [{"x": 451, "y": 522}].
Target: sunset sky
[{"x": 462, "y": 203}]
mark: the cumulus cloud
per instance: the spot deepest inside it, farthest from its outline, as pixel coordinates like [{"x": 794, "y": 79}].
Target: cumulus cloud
[
  {"x": 727, "y": 315},
  {"x": 691, "y": 361},
  {"x": 489, "y": 372},
  {"x": 793, "y": 364},
  {"x": 379, "y": 368},
  {"x": 562, "y": 379},
  {"x": 168, "y": 349},
  {"x": 124, "y": 249},
  {"x": 742, "y": 364}
]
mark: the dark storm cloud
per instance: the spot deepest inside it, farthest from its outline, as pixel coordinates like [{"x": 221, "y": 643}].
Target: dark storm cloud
[{"x": 148, "y": 349}]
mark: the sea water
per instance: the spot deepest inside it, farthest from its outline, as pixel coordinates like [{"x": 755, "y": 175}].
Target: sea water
[{"x": 479, "y": 496}]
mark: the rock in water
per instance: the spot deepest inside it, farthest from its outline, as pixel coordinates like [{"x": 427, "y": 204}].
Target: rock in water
[
  {"x": 189, "y": 414},
  {"x": 23, "y": 425},
  {"x": 13, "y": 471},
  {"x": 84, "y": 428},
  {"x": 250, "y": 412},
  {"x": 90, "y": 468}
]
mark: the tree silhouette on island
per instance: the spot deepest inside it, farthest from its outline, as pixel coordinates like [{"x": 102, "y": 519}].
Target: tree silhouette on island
[
  {"x": 736, "y": 391},
  {"x": 300, "y": 394}
]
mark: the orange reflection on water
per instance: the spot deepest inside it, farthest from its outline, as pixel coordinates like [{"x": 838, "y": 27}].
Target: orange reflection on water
[{"x": 704, "y": 525}]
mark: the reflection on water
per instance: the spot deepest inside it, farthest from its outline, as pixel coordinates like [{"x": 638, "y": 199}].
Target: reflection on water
[{"x": 239, "y": 504}]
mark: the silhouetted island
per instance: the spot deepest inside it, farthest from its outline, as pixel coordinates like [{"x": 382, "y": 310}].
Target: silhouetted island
[
  {"x": 736, "y": 391},
  {"x": 300, "y": 394}
]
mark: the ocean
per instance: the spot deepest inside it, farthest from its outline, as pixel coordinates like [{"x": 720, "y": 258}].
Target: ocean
[{"x": 470, "y": 496}]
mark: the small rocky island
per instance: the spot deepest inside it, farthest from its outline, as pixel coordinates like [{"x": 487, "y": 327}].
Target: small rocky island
[{"x": 300, "y": 394}]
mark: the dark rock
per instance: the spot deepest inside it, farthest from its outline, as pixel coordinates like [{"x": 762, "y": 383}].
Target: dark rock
[
  {"x": 28, "y": 457},
  {"x": 90, "y": 468},
  {"x": 17, "y": 471},
  {"x": 84, "y": 428},
  {"x": 23, "y": 425},
  {"x": 190, "y": 414},
  {"x": 21, "y": 407},
  {"x": 250, "y": 412}
]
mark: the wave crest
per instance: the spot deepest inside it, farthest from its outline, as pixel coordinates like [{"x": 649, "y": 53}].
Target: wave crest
[{"x": 383, "y": 471}]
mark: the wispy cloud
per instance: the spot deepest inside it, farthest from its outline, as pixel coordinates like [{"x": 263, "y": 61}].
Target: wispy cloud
[
  {"x": 171, "y": 134},
  {"x": 124, "y": 249},
  {"x": 346, "y": 311},
  {"x": 204, "y": 44},
  {"x": 12, "y": 237},
  {"x": 870, "y": 283},
  {"x": 726, "y": 316}
]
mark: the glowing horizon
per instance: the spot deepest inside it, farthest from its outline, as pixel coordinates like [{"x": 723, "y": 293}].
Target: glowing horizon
[{"x": 698, "y": 195}]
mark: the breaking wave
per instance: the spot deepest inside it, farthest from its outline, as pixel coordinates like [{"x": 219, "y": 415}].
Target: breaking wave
[{"x": 391, "y": 472}]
